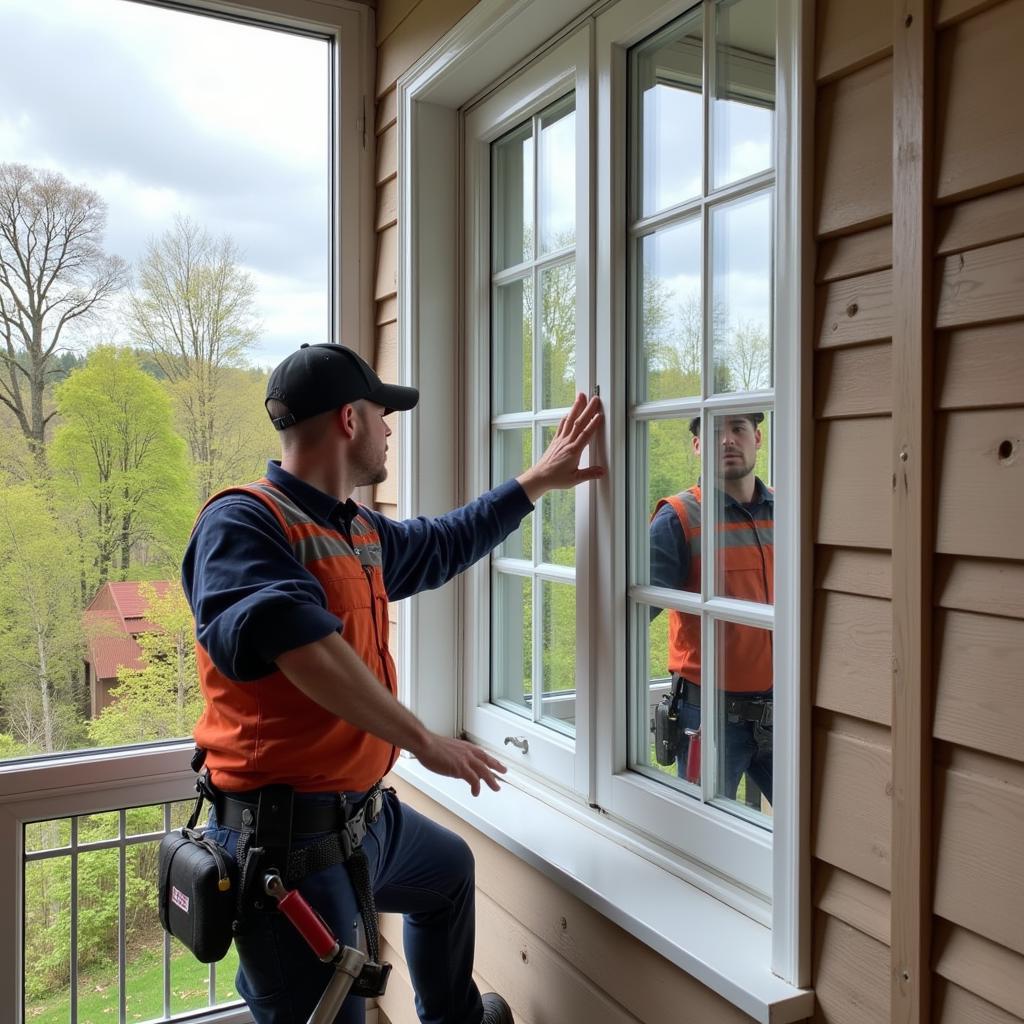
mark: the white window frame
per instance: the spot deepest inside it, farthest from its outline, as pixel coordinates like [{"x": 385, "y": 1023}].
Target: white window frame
[
  {"x": 454, "y": 73},
  {"x": 93, "y": 781}
]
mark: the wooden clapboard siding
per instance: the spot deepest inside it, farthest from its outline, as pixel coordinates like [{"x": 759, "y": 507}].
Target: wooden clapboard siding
[
  {"x": 853, "y": 255},
  {"x": 980, "y": 585},
  {"x": 855, "y": 310},
  {"x": 981, "y": 483},
  {"x": 851, "y": 35},
  {"x": 852, "y": 972},
  {"x": 853, "y": 571},
  {"x": 853, "y": 381},
  {"x": 852, "y": 483},
  {"x": 980, "y": 367},
  {"x": 982, "y": 285},
  {"x": 853, "y": 901},
  {"x": 954, "y": 1005},
  {"x": 985, "y": 968},
  {"x": 982, "y": 221},
  {"x": 853, "y": 165},
  {"x": 979, "y": 838},
  {"x": 979, "y": 134}
]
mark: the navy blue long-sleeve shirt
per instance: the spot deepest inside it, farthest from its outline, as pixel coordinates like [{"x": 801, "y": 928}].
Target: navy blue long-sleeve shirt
[{"x": 252, "y": 600}]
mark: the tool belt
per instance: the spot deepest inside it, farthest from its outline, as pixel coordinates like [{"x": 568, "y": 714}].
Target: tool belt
[{"x": 737, "y": 709}]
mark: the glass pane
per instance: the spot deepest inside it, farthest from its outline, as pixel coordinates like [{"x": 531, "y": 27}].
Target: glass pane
[
  {"x": 513, "y": 346},
  {"x": 745, "y": 706},
  {"x": 47, "y": 835},
  {"x": 669, "y": 76},
  {"x": 512, "y": 197},
  {"x": 745, "y": 553},
  {"x": 95, "y": 827},
  {"x": 741, "y": 249},
  {"x": 665, "y": 715},
  {"x": 512, "y": 642},
  {"x": 558, "y": 336},
  {"x": 557, "y": 176},
  {"x": 47, "y": 939},
  {"x": 558, "y": 654},
  {"x": 743, "y": 111},
  {"x": 672, "y": 470},
  {"x": 558, "y": 521},
  {"x": 671, "y": 327},
  {"x": 512, "y": 454}
]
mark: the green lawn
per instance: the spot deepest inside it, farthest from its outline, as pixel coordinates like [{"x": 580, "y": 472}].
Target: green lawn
[{"x": 97, "y": 991}]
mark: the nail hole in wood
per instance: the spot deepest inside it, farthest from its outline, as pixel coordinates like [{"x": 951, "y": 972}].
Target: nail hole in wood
[
  {"x": 909, "y": 20},
  {"x": 1005, "y": 450}
]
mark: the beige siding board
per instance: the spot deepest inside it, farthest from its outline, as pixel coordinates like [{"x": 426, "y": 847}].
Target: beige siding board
[
  {"x": 851, "y": 35},
  {"x": 852, "y": 571},
  {"x": 980, "y": 367},
  {"x": 980, "y": 835},
  {"x": 852, "y": 484},
  {"x": 387, "y": 154},
  {"x": 853, "y": 901},
  {"x": 853, "y": 381},
  {"x": 979, "y": 493},
  {"x": 390, "y": 14},
  {"x": 852, "y": 255},
  {"x": 980, "y": 764},
  {"x": 386, "y": 281},
  {"x": 982, "y": 967},
  {"x": 851, "y": 972},
  {"x": 855, "y": 310},
  {"x": 414, "y": 35},
  {"x": 854, "y": 150},
  {"x": 387, "y": 204},
  {"x": 851, "y": 806},
  {"x": 853, "y": 664},
  {"x": 976, "y": 222},
  {"x": 954, "y": 1005},
  {"x": 859, "y": 729},
  {"x": 979, "y": 134},
  {"x": 979, "y": 690},
  {"x": 982, "y": 285},
  {"x": 387, "y": 310},
  {"x": 398, "y": 1003},
  {"x": 950, "y": 11},
  {"x": 976, "y": 585},
  {"x": 387, "y": 111}
]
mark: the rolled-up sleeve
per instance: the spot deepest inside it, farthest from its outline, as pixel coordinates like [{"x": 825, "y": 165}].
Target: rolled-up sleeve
[{"x": 252, "y": 600}]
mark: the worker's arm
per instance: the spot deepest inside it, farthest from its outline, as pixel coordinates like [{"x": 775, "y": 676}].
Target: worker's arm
[{"x": 330, "y": 673}]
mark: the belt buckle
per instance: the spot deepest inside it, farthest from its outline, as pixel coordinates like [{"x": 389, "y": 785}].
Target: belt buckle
[{"x": 374, "y": 805}]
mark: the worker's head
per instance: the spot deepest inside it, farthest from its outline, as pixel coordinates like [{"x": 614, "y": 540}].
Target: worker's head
[
  {"x": 738, "y": 439},
  {"x": 324, "y": 394}
]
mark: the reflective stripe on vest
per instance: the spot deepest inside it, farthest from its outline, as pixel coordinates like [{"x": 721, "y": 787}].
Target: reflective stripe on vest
[
  {"x": 266, "y": 730},
  {"x": 748, "y": 566}
]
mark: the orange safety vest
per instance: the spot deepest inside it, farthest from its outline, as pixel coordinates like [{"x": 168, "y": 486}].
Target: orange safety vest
[
  {"x": 266, "y": 730},
  {"x": 748, "y": 562}
]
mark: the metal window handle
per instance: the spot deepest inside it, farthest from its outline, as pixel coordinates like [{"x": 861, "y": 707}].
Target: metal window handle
[{"x": 520, "y": 742}]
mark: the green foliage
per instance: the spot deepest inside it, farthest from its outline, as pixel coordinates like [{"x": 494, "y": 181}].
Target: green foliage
[
  {"x": 120, "y": 470},
  {"x": 163, "y": 699}
]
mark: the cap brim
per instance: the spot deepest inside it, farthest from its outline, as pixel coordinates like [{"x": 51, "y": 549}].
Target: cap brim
[{"x": 395, "y": 396}]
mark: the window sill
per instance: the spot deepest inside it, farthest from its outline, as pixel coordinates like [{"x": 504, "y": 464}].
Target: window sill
[{"x": 651, "y": 904}]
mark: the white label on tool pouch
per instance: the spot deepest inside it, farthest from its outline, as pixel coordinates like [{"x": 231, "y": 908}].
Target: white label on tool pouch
[{"x": 179, "y": 898}]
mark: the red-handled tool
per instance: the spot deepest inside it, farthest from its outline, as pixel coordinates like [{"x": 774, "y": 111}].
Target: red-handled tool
[
  {"x": 348, "y": 961},
  {"x": 693, "y": 756}
]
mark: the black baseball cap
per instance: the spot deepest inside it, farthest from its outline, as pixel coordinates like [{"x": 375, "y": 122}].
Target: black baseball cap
[
  {"x": 754, "y": 417},
  {"x": 319, "y": 378}
]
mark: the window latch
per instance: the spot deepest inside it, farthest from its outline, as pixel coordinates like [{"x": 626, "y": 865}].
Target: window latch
[{"x": 519, "y": 742}]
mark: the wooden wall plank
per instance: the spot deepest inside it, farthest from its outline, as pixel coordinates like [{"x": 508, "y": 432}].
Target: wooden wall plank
[
  {"x": 852, "y": 900},
  {"x": 851, "y": 571},
  {"x": 387, "y": 154},
  {"x": 982, "y": 285},
  {"x": 980, "y": 484},
  {"x": 982, "y": 967},
  {"x": 950, "y": 11},
  {"x": 387, "y": 310},
  {"x": 980, "y": 367},
  {"x": 387, "y": 204},
  {"x": 955, "y": 1005},
  {"x": 390, "y": 14},
  {"x": 852, "y": 975},
  {"x": 852, "y": 484},
  {"x": 853, "y": 132},
  {"x": 976, "y": 585},
  {"x": 980, "y": 137},
  {"x": 982, "y": 221},
  {"x": 980, "y": 835},
  {"x": 852, "y": 255},
  {"x": 853, "y": 381},
  {"x": 387, "y": 110},
  {"x": 851, "y": 35},
  {"x": 386, "y": 279},
  {"x": 979, "y": 689},
  {"x": 852, "y": 661},
  {"x": 851, "y": 807},
  {"x": 398, "y": 1003},
  {"x": 855, "y": 310}
]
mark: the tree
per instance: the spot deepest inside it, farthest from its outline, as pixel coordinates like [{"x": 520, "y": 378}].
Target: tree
[
  {"x": 119, "y": 466},
  {"x": 53, "y": 272},
  {"x": 750, "y": 356},
  {"x": 161, "y": 700},
  {"x": 193, "y": 312},
  {"x": 40, "y": 634}
]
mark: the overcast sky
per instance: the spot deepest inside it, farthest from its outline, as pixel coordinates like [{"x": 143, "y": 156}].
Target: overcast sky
[{"x": 162, "y": 112}]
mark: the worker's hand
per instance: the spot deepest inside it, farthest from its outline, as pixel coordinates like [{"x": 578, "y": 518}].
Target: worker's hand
[
  {"x": 459, "y": 759},
  {"x": 559, "y": 467}
]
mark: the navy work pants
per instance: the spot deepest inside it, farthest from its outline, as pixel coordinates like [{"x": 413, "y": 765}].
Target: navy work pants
[{"x": 418, "y": 869}]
